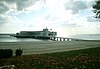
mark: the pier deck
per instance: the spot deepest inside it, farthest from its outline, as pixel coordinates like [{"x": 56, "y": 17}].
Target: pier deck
[{"x": 64, "y": 39}]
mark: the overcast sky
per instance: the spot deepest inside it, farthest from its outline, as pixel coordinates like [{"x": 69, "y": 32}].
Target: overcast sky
[{"x": 64, "y": 16}]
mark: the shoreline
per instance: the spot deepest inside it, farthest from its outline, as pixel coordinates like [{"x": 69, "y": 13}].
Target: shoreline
[{"x": 39, "y": 47}]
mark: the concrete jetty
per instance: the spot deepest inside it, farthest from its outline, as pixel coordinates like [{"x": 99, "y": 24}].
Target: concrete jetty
[{"x": 64, "y": 39}]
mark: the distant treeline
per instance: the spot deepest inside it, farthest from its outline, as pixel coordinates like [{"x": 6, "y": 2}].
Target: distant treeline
[{"x": 6, "y": 34}]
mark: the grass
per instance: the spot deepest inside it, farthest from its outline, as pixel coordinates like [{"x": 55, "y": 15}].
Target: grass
[{"x": 77, "y": 59}]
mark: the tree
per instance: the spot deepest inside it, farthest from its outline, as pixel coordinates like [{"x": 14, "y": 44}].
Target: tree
[
  {"x": 19, "y": 52},
  {"x": 96, "y": 8}
]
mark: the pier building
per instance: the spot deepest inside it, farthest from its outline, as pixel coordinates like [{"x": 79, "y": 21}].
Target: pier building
[{"x": 44, "y": 34}]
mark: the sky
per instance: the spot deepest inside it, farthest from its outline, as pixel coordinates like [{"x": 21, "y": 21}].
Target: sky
[{"x": 66, "y": 17}]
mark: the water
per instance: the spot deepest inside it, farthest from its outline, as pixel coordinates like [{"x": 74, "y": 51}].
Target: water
[
  {"x": 87, "y": 36},
  {"x": 8, "y": 38},
  {"x": 34, "y": 46}
]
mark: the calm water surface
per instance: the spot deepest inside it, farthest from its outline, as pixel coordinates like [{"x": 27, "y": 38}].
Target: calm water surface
[
  {"x": 33, "y": 46},
  {"x": 8, "y": 38}
]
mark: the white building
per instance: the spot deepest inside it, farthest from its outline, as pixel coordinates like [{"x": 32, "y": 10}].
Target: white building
[{"x": 43, "y": 33}]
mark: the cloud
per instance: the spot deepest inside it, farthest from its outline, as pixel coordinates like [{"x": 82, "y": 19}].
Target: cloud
[
  {"x": 77, "y": 5},
  {"x": 19, "y": 5},
  {"x": 6, "y": 19},
  {"x": 10, "y": 8},
  {"x": 54, "y": 14},
  {"x": 3, "y": 7},
  {"x": 2, "y": 20},
  {"x": 92, "y": 19}
]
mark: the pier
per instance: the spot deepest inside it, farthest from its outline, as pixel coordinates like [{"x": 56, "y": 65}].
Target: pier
[{"x": 64, "y": 39}]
